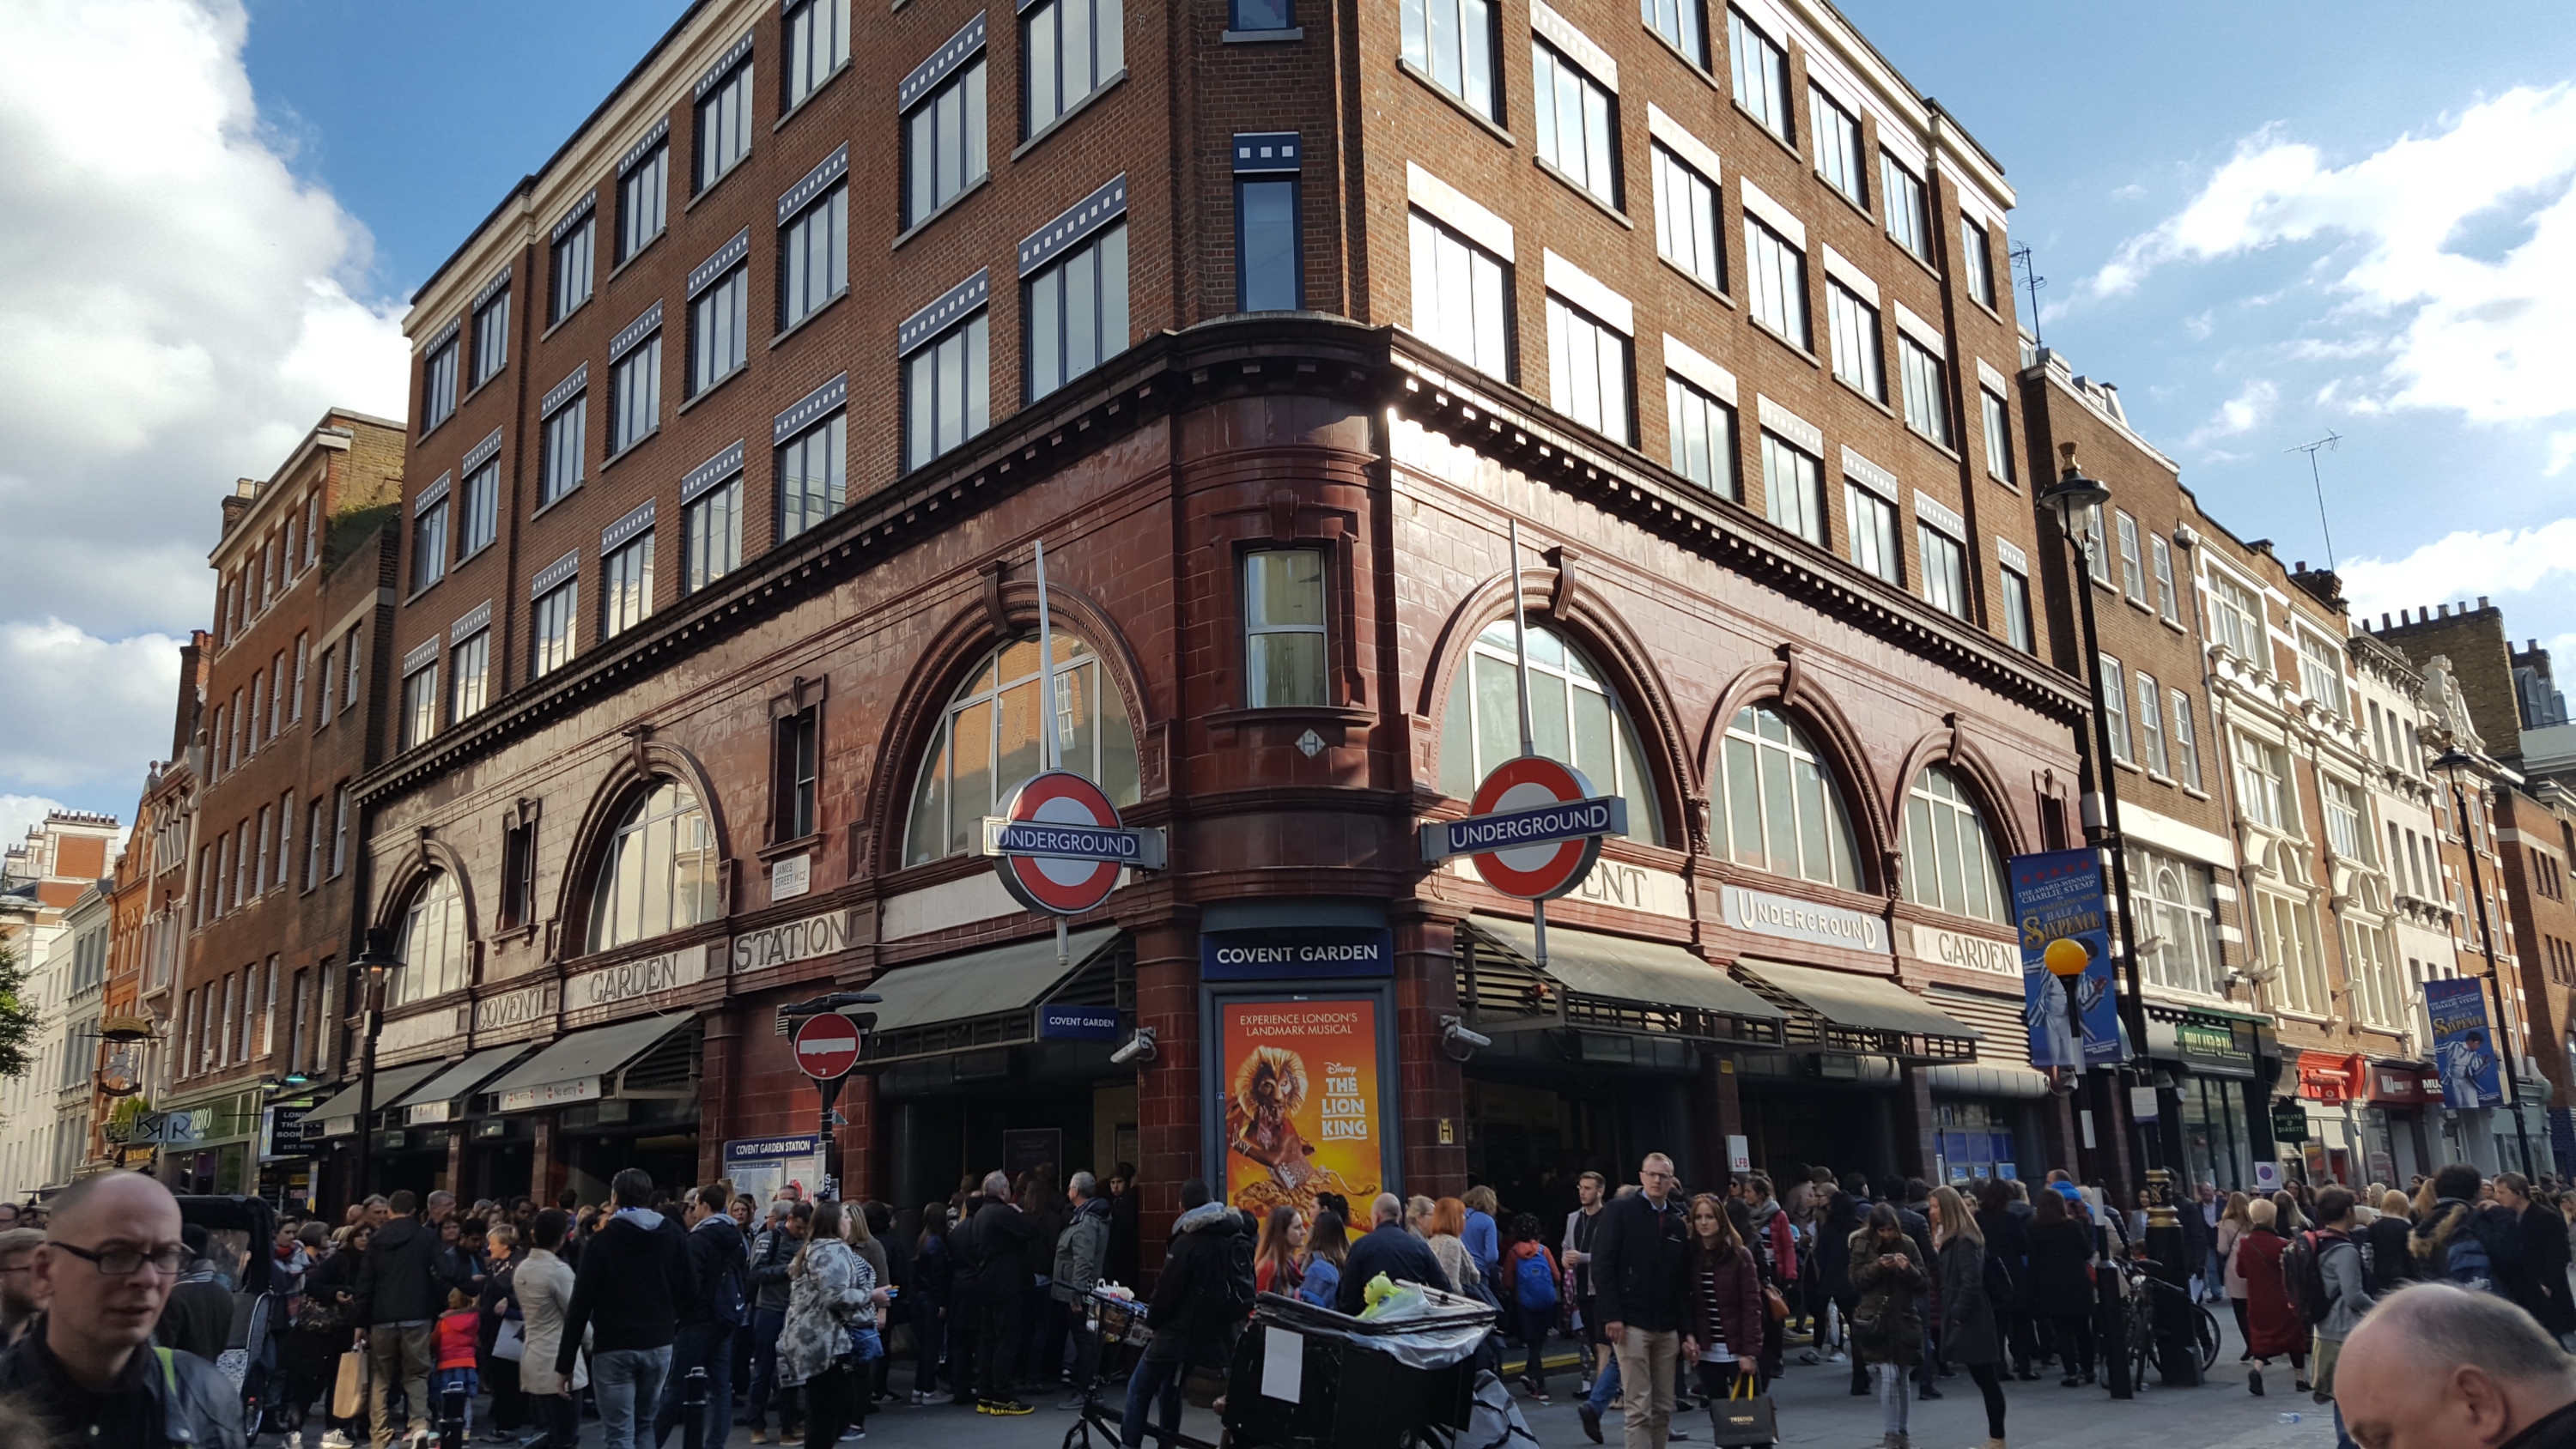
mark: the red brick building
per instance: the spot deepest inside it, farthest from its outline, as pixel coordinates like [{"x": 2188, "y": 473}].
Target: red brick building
[
  {"x": 294, "y": 668},
  {"x": 1269, "y": 336}
]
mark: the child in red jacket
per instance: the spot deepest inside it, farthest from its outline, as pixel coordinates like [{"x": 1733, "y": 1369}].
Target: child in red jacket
[{"x": 456, "y": 1336}]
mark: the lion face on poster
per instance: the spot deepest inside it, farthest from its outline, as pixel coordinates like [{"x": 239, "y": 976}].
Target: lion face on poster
[{"x": 1260, "y": 1120}]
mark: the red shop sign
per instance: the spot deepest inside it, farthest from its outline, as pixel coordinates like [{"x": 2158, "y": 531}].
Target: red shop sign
[
  {"x": 2397, "y": 1084},
  {"x": 2324, "y": 1078}
]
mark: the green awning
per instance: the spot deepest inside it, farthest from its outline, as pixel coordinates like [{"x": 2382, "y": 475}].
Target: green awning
[
  {"x": 338, "y": 1117},
  {"x": 1845, "y": 1011},
  {"x": 1615, "y": 968},
  {"x": 435, "y": 1100},
  {"x": 1002, "y": 978},
  {"x": 571, "y": 1070}
]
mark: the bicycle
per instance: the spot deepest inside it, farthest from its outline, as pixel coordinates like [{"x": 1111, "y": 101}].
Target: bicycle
[{"x": 2139, "y": 1308}]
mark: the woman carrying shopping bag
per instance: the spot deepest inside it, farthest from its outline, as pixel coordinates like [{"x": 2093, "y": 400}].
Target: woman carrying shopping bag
[{"x": 1971, "y": 1334}]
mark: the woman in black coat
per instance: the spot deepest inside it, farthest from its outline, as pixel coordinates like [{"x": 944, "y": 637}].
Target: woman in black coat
[
  {"x": 1970, "y": 1336},
  {"x": 2061, "y": 1283},
  {"x": 2007, "y": 1234}
]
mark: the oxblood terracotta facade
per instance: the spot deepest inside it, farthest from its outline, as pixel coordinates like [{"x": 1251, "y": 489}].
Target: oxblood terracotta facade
[{"x": 1147, "y": 479}]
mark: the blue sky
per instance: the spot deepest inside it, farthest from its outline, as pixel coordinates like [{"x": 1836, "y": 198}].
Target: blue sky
[{"x": 2264, "y": 222}]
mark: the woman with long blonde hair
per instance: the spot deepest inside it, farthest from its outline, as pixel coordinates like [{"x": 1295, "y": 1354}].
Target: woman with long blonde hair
[
  {"x": 2233, "y": 1225},
  {"x": 1971, "y": 1335}
]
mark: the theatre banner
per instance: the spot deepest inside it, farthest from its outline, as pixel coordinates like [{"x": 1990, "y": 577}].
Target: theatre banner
[
  {"x": 1301, "y": 1098},
  {"x": 2464, "y": 1046},
  {"x": 2057, "y": 895}
]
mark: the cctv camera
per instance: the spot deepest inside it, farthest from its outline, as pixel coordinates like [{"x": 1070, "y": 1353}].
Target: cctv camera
[
  {"x": 1139, "y": 1048},
  {"x": 1459, "y": 1041}
]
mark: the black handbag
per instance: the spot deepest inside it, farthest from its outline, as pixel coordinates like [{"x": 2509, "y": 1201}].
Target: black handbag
[{"x": 1743, "y": 1417}]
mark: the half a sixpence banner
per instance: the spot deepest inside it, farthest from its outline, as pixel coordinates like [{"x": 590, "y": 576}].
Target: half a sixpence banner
[
  {"x": 2464, "y": 1045},
  {"x": 1301, "y": 1102},
  {"x": 2056, "y": 896}
]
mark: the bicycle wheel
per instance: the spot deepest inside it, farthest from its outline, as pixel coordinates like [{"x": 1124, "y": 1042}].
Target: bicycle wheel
[{"x": 2205, "y": 1328}]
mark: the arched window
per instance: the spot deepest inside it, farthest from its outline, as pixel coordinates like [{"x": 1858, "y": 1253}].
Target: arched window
[
  {"x": 432, "y": 948},
  {"x": 1949, "y": 859},
  {"x": 1573, "y": 719},
  {"x": 1781, "y": 812},
  {"x": 988, "y": 743},
  {"x": 658, "y": 873}
]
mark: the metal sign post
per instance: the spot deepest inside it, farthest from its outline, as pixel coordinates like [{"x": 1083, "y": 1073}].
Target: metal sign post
[
  {"x": 1520, "y": 647},
  {"x": 1054, "y": 755}
]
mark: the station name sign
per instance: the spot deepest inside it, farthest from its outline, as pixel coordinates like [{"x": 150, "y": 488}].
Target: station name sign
[
  {"x": 1140, "y": 848},
  {"x": 1511, "y": 829},
  {"x": 1296, "y": 952}
]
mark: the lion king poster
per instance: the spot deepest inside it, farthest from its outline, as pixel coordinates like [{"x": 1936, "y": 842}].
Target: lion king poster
[{"x": 1301, "y": 1102}]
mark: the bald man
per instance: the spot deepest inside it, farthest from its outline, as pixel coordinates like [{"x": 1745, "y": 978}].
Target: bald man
[
  {"x": 2461, "y": 1370},
  {"x": 86, "y": 1366}
]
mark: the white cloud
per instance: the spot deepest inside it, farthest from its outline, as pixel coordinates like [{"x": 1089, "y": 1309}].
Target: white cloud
[
  {"x": 2463, "y": 566},
  {"x": 18, "y": 812},
  {"x": 178, "y": 307},
  {"x": 2562, "y": 451},
  {"x": 2251, "y": 408},
  {"x": 89, "y": 711},
  {"x": 2479, "y": 334}
]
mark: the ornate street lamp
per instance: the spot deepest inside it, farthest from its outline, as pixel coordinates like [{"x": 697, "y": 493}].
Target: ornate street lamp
[{"x": 377, "y": 959}]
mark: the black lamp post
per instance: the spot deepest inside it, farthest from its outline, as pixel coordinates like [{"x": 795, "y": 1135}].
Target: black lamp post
[
  {"x": 2074, "y": 498},
  {"x": 2450, "y": 762},
  {"x": 374, "y": 961}
]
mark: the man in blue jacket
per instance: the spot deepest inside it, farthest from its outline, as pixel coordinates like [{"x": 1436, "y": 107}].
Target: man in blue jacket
[
  {"x": 720, "y": 1269},
  {"x": 633, "y": 1280}
]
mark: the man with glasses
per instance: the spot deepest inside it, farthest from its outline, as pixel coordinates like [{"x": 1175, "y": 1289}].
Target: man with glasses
[
  {"x": 86, "y": 1367},
  {"x": 1640, "y": 1285}
]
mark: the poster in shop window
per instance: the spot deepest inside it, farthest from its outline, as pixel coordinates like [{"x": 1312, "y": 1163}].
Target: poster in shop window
[{"x": 1300, "y": 1084}]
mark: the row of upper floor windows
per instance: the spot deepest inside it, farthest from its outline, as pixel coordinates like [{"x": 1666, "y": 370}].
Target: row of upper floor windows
[{"x": 245, "y": 591}]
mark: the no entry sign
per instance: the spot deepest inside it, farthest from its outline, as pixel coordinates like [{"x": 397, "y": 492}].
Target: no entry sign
[
  {"x": 1058, "y": 846},
  {"x": 827, "y": 1046},
  {"x": 1534, "y": 828}
]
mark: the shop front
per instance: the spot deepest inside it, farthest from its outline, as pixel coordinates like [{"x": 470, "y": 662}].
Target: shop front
[
  {"x": 223, "y": 1153},
  {"x": 1850, "y": 1090},
  {"x": 2401, "y": 1122},
  {"x": 452, "y": 1111},
  {"x": 2333, "y": 1149},
  {"x": 1003, "y": 1057},
  {"x": 1603, "y": 1055},
  {"x": 615, "y": 1096},
  {"x": 393, "y": 1161},
  {"x": 1990, "y": 1116},
  {"x": 2219, "y": 1126}
]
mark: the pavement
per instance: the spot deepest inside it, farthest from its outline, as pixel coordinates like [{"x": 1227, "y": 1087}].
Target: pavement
[{"x": 1814, "y": 1404}]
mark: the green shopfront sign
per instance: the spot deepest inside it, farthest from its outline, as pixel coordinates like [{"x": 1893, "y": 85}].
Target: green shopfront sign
[
  {"x": 2289, "y": 1122},
  {"x": 2214, "y": 1046}
]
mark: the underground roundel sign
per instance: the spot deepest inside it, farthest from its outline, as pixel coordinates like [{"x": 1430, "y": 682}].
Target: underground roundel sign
[
  {"x": 1059, "y": 845},
  {"x": 1549, "y": 806},
  {"x": 827, "y": 1046}
]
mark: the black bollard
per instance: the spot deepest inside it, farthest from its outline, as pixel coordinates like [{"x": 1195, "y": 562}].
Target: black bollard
[
  {"x": 693, "y": 1410},
  {"x": 2177, "y": 1348},
  {"x": 451, "y": 1417}
]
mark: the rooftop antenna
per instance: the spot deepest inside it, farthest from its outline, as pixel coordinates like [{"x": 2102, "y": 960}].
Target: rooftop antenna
[
  {"x": 2317, "y": 479},
  {"x": 2031, "y": 282}
]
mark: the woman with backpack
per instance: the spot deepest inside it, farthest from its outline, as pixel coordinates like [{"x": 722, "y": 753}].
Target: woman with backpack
[
  {"x": 1887, "y": 1332},
  {"x": 2342, "y": 1288},
  {"x": 1530, "y": 1277},
  {"x": 1971, "y": 1329},
  {"x": 2273, "y": 1326},
  {"x": 2233, "y": 1225}
]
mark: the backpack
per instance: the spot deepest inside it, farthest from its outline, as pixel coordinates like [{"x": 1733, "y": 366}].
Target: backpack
[
  {"x": 1239, "y": 1279},
  {"x": 2303, "y": 1278},
  {"x": 1534, "y": 1283},
  {"x": 2466, "y": 1263},
  {"x": 726, "y": 1301},
  {"x": 2001, "y": 1291}
]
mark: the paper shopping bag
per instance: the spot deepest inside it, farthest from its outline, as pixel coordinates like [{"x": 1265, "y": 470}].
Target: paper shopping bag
[{"x": 349, "y": 1391}]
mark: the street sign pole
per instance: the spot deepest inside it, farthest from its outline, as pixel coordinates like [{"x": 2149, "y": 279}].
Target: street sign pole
[
  {"x": 1054, "y": 743},
  {"x": 1520, "y": 646}
]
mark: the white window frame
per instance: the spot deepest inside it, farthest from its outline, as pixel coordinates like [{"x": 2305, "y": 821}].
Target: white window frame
[{"x": 1462, "y": 297}]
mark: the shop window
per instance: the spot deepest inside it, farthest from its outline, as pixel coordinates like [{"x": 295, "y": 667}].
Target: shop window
[
  {"x": 433, "y": 944},
  {"x": 1950, "y": 862},
  {"x": 1574, "y": 718},
  {"x": 988, "y": 743},
  {"x": 1783, "y": 813},
  {"x": 658, "y": 873}
]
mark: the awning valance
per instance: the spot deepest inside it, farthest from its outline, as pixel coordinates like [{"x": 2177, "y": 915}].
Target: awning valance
[
  {"x": 576, "y": 1067},
  {"x": 436, "y": 1100},
  {"x": 338, "y": 1117},
  {"x": 1842, "y": 1011},
  {"x": 1606, "y": 982},
  {"x": 990, "y": 998},
  {"x": 2002, "y": 1067}
]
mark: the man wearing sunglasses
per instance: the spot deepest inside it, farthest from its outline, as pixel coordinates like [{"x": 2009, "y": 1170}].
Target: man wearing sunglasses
[{"x": 87, "y": 1366}]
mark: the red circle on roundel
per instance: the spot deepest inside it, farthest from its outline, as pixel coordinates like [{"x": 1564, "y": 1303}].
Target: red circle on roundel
[
  {"x": 1057, "y": 886},
  {"x": 1534, "y": 872},
  {"x": 827, "y": 1046}
]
